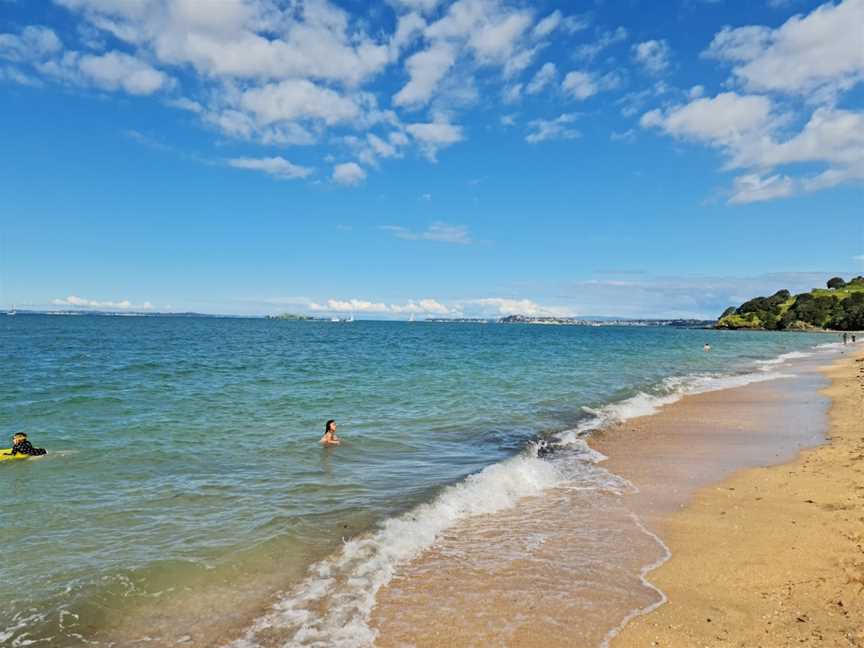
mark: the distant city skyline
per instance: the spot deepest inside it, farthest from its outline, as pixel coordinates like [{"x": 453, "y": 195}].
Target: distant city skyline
[{"x": 477, "y": 158}]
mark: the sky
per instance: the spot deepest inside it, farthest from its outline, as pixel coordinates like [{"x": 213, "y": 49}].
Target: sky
[{"x": 428, "y": 158}]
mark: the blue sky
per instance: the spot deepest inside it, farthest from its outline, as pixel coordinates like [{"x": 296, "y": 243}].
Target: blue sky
[{"x": 477, "y": 157}]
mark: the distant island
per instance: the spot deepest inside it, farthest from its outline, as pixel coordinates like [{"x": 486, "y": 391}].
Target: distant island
[
  {"x": 572, "y": 321},
  {"x": 293, "y": 317},
  {"x": 837, "y": 307},
  {"x": 104, "y": 313}
]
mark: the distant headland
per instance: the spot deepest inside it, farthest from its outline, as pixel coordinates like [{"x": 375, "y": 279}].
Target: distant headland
[{"x": 837, "y": 307}]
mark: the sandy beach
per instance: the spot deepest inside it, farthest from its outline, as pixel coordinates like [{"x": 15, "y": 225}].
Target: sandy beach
[{"x": 772, "y": 556}]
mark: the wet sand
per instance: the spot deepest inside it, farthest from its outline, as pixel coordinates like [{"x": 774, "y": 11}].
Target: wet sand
[
  {"x": 772, "y": 556},
  {"x": 564, "y": 569}
]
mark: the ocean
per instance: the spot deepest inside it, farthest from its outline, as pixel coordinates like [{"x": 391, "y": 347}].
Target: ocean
[{"x": 184, "y": 493}]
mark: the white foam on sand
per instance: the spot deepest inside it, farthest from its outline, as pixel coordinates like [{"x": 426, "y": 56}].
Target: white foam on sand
[
  {"x": 332, "y": 605},
  {"x": 768, "y": 365},
  {"x": 671, "y": 390}
]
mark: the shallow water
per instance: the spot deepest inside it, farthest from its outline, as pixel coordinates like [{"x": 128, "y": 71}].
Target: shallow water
[{"x": 184, "y": 484}]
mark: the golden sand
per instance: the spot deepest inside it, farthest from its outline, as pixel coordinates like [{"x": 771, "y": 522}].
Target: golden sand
[{"x": 772, "y": 556}]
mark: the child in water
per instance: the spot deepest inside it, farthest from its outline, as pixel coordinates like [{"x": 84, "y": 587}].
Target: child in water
[
  {"x": 330, "y": 438},
  {"x": 20, "y": 445}
]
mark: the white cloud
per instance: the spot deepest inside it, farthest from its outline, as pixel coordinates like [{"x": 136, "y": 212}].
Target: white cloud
[
  {"x": 604, "y": 40},
  {"x": 818, "y": 55},
  {"x": 438, "y": 231},
  {"x": 513, "y": 93},
  {"x": 753, "y": 188},
  {"x": 435, "y": 135},
  {"x": 653, "y": 55},
  {"x": 626, "y": 136},
  {"x": 116, "y": 70},
  {"x": 109, "y": 71},
  {"x": 416, "y": 307},
  {"x": 548, "y": 24},
  {"x": 14, "y": 75},
  {"x": 545, "y": 76},
  {"x": 80, "y": 302},
  {"x": 349, "y": 174},
  {"x": 505, "y": 306},
  {"x": 542, "y": 130},
  {"x": 426, "y": 69},
  {"x": 277, "y": 167},
  {"x": 425, "y": 6},
  {"x": 243, "y": 38},
  {"x": 831, "y": 135},
  {"x": 722, "y": 120},
  {"x": 32, "y": 44},
  {"x": 747, "y": 129},
  {"x": 583, "y": 85},
  {"x": 295, "y": 99}
]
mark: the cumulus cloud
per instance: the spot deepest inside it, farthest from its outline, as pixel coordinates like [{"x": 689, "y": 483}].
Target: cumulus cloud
[
  {"x": 278, "y": 167},
  {"x": 545, "y": 76},
  {"x": 295, "y": 99},
  {"x": 109, "y": 71},
  {"x": 749, "y": 131},
  {"x": 653, "y": 55},
  {"x": 116, "y": 70},
  {"x": 438, "y": 231},
  {"x": 817, "y": 55},
  {"x": 426, "y": 69},
  {"x": 472, "y": 34},
  {"x": 411, "y": 307},
  {"x": 80, "y": 302},
  {"x": 541, "y": 130},
  {"x": 724, "y": 119},
  {"x": 303, "y": 73},
  {"x": 506, "y": 306},
  {"x": 349, "y": 174},
  {"x": 33, "y": 43},
  {"x": 583, "y": 85},
  {"x": 435, "y": 135}
]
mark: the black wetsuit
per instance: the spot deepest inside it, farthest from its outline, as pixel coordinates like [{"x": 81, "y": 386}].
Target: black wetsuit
[{"x": 26, "y": 448}]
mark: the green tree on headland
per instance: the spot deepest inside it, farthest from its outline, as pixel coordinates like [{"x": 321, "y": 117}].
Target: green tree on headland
[{"x": 840, "y": 307}]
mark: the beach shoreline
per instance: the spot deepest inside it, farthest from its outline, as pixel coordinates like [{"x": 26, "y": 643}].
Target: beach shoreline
[
  {"x": 538, "y": 553},
  {"x": 771, "y": 556}
]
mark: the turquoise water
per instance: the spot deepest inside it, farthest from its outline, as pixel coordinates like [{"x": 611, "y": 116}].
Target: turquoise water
[{"x": 183, "y": 458}]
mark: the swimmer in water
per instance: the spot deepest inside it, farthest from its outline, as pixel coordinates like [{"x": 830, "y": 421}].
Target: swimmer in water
[
  {"x": 330, "y": 438},
  {"x": 707, "y": 347},
  {"x": 20, "y": 445}
]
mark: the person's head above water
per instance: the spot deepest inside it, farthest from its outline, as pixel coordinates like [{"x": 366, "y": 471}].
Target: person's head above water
[{"x": 330, "y": 426}]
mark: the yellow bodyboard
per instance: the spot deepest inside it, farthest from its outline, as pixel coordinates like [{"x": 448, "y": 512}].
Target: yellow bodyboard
[{"x": 5, "y": 456}]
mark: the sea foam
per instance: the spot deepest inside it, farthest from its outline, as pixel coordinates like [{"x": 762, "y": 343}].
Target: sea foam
[{"x": 331, "y": 606}]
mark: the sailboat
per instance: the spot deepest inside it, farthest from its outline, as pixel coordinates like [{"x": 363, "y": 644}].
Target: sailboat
[
  {"x": 411, "y": 319},
  {"x": 12, "y": 312}
]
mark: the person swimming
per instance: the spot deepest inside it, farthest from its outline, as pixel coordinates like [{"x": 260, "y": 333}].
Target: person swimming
[
  {"x": 20, "y": 445},
  {"x": 707, "y": 347},
  {"x": 330, "y": 438}
]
